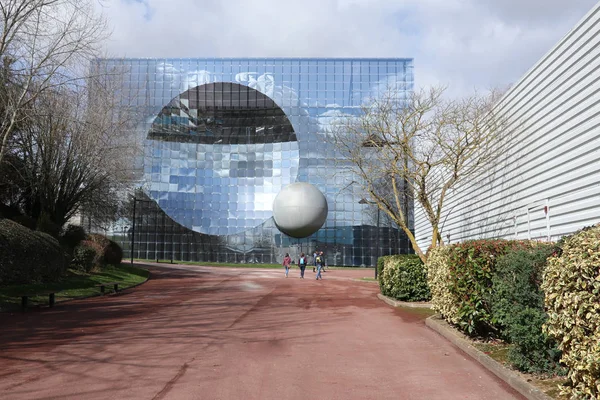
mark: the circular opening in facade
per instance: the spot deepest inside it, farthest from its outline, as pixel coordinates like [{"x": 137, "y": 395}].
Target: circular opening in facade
[{"x": 219, "y": 153}]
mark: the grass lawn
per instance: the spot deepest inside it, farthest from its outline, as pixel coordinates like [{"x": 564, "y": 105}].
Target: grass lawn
[
  {"x": 422, "y": 312},
  {"x": 234, "y": 265},
  {"x": 73, "y": 285},
  {"x": 547, "y": 384}
]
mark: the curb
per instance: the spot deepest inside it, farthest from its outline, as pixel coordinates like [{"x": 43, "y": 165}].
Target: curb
[
  {"x": 137, "y": 284},
  {"x": 107, "y": 294},
  {"x": 397, "y": 303},
  {"x": 510, "y": 377},
  {"x": 104, "y": 295}
]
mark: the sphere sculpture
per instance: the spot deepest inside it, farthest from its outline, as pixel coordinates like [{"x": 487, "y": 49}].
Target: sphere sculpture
[{"x": 299, "y": 210}]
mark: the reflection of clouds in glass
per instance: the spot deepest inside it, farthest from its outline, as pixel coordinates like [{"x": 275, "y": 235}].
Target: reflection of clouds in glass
[
  {"x": 332, "y": 118},
  {"x": 310, "y": 127},
  {"x": 283, "y": 95},
  {"x": 168, "y": 73},
  {"x": 200, "y": 191},
  {"x": 264, "y": 83},
  {"x": 196, "y": 78},
  {"x": 245, "y": 77},
  {"x": 395, "y": 84},
  {"x": 180, "y": 79},
  {"x": 330, "y": 122},
  {"x": 195, "y": 185}
]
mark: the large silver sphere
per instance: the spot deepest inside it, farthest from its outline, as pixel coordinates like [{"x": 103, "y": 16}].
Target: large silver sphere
[{"x": 299, "y": 209}]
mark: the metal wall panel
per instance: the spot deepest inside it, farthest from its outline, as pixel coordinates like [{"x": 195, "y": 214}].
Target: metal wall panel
[{"x": 548, "y": 185}]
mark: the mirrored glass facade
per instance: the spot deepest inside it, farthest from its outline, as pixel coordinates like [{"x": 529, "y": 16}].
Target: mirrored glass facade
[{"x": 221, "y": 137}]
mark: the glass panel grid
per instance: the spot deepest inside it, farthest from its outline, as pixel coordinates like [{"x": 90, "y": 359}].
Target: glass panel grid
[{"x": 222, "y": 137}]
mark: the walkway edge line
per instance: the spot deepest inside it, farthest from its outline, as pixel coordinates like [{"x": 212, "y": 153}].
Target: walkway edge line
[
  {"x": 100, "y": 294},
  {"x": 510, "y": 377},
  {"x": 397, "y": 303},
  {"x": 108, "y": 294},
  {"x": 62, "y": 301}
]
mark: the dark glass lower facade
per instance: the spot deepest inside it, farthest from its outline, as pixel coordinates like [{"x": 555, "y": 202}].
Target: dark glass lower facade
[{"x": 222, "y": 137}]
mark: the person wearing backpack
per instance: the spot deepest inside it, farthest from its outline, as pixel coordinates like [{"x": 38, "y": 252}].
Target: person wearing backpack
[
  {"x": 302, "y": 265},
  {"x": 319, "y": 262}
]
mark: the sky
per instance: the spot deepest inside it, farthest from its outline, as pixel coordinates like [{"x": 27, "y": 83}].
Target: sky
[{"x": 465, "y": 45}]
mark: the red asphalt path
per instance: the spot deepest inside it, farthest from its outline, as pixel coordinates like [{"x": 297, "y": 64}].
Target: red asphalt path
[{"x": 216, "y": 333}]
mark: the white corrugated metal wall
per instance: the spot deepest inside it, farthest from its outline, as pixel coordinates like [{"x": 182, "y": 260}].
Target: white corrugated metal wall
[{"x": 549, "y": 184}]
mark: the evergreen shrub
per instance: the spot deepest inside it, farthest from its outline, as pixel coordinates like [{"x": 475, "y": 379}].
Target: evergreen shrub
[
  {"x": 438, "y": 276},
  {"x": 72, "y": 235},
  {"x": 25, "y": 220},
  {"x": 460, "y": 278},
  {"x": 571, "y": 283},
  {"x": 380, "y": 263},
  {"x": 27, "y": 256},
  {"x": 517, "y": 304},
  {"x": 109, "y": 252},
  {"x": 84, "y": 257},
  {"x": 404, "y": 278}
]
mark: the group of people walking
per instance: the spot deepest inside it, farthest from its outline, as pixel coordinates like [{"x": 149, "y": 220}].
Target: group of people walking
[{"x": 318, "y": 264}]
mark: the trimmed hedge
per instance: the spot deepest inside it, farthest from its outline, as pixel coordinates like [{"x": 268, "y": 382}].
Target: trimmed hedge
[
  {"x": 72, "y": 235},
  {"x": 460, "y": 278},
  {"x": 403, "y": 278},
  {"x": 85, "y": 257},
  {"x": 517, "y": 304},
  {"x": 443, "y": 300},
  {"x": 571, "y": 283},
  {"x": 380, "y": 263},
  {"x": 109, "y": 252},
  {"x": 28, "y": 256}
]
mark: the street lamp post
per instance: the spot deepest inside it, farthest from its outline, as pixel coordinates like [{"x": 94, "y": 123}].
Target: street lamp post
[
  {"x": 365, "y": 201},
  {"x": 133, "y": 229}
]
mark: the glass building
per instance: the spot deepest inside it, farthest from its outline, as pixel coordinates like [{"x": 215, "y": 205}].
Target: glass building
[{"x": 222, "y": 137}]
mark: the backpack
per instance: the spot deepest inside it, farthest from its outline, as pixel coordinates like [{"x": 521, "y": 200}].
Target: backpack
[
  {"x": 319, "y": 259},
  {"x": 302, "y": 260}
]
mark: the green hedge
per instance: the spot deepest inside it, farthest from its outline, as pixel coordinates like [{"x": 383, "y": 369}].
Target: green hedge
[
  {"x": 403, "y": 278},
  {"x": 28, "y": 256},
  {"x": 72, "y": 235},
  {"x": 84, "y": 257},
  {"x": 380, "y": 263},
  {"x": 109, "y": 252},
  {"x": 517, "y": 304},
  {"x": 460, "y": 278},
  {"x": 443, "y": 300},
  {"x": 571, "y": 284}
]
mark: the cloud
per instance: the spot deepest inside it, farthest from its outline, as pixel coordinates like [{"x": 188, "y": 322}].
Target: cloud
[
  {"x": 465, "y": 44},
  {"x": 545, "y": 12}
]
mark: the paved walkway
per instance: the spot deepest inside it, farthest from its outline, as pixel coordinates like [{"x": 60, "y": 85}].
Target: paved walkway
[{"x": 216, "y": 333}]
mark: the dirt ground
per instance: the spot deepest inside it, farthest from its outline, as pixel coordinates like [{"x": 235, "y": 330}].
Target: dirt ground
[{"x": 221, "y": 333}]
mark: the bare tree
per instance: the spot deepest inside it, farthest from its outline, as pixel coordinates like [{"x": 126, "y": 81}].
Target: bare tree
[
  {"x": 44, "y": 44},
  {"x": 75, "y": 150},
  {"x": 418, "y": 149}
]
